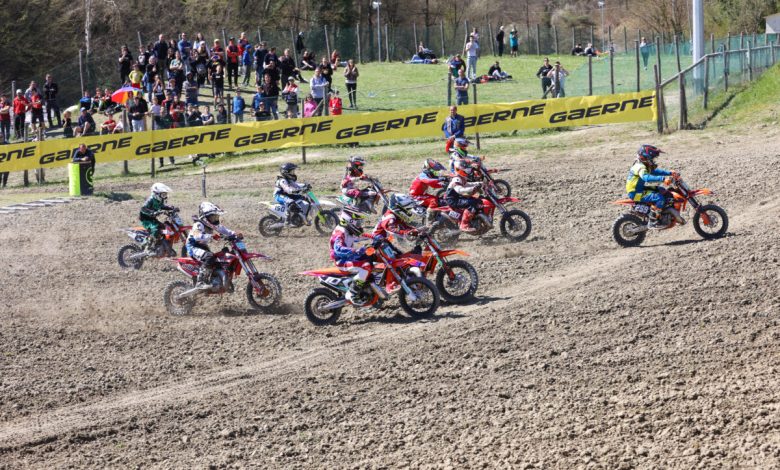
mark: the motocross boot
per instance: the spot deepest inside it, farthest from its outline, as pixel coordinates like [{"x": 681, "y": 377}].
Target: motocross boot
[
  {"x": 151, "y": 245},
  {"x": 355, "y": 293},
  {"x": 204, "y": 278},
  {"x": 465, "y": 222},
  {"x": 654, "y": 219}
]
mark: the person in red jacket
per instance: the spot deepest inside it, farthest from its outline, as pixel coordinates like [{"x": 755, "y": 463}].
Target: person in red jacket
[
  {"x": 233, "y": 59},
  {"x": 335, "y": 104},
  {"x": 36, "y": 107},
  {"x": 432, "y": 177},
  {"x": 21, "y": 105}
]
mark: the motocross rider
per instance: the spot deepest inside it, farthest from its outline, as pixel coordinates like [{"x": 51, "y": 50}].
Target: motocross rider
[
  {"x": 344, "y": 253},
  {"x": 354, "y": 173},
  {"x": 644, "y": 178},
  {"x": 155, "y": 204},
  {"x": 203, "y": 231},
  {"x": 431, "y": 177},
  {"x": 460, "y": 152},
  {"x": 460, "y": 194},
  {"x": 397, "y": 220},
  {"x": 288, "y": 191}
]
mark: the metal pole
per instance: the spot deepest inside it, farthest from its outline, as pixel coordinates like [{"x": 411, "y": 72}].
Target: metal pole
[
  {"x": 573, "y": 37},
  {"x": 612, "y": 72},
  {"x": 750, "y": 60},
  {"x": 537, "y": 39},
  {"x": 466, "y": 38},
  {"x": 414, "y": 27},
  {"x": 441, "y": 30},
  {"x": 152, "y": 169},
  {"x": 449, "y": 89},
  {"x": 555, "y": 38},
  {"x": 387, "y": 45},
  {"x": 706, "y": 80},
  {"x": 492, "y": 39},
  {"x": 327, "y": 41},
  {"x": 712, "y": 42},
  {"x": 13, "y": 95},
  {"x": 591, "y": 35},
  {"x": 625, "y": 39},
  {"x": 638, "y": 78},
  {"x": 81, "y": 71},
  {"x": 683, "y": 104},
  {"x": 203, "y": 182},
  {"x": 378, "y": 33},
  {"x": 677, "y": 52},
  {"x": 590, "y": 75},
  {"x": 359, "y": 48},
  {"x": 658, "y": 56},
  {"x": 601, "y": 7},
  {"x": 40, "y": 173},
  {"x": 126, "y": 126},
  {"x": 658, "y": 100},
  {"x": 726, "y": 68},
  {"x": 474, "y": 87}
]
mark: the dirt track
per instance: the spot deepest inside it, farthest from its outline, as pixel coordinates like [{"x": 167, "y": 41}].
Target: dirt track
[{"x": 577, "y": 353}]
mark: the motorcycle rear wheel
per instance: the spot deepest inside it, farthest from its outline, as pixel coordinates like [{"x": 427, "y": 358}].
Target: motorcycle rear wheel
[
  {"x": 515, "y": 225},
  {"x": 176, "y": 306},
  {"x": 264, "y": 226},
  {"x": 716, "y": 215},
  {"x": 446, "y": 231},
  {"x": 502, "y": 188},
  {"x": 620, "y": 234},
  {"x": 428, "y": 302},
  {"x": 125, "y": 253},
  {"x": 318, "y": 298},
  {"x": 465, "y": 277},
  {"x": 267, "y": 300},
  {"x": 331, "y": 220}
]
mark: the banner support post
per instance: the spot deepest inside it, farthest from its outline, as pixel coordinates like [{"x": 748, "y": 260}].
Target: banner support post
[{"x": 475, "y": 102}]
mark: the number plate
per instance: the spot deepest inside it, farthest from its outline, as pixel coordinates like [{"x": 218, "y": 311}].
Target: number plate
[{"x": 642, "y": 209}]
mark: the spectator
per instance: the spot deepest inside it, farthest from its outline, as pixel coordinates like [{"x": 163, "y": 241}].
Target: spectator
[
  {"x": 287, "y": 67},
  {"x": 472, "y": 53},
  {"x": 3, "y": 141},
  {"x": 137, "y": 112},
  {"x": 577, "y": 49},
  {"x": 270, "y": 58},
  {"x": 160, "y": 50},
  {"x": 86, "y": 101},
  {"x": 222, "y": 117},
  {"x": 5, "y": 119},
  {"x": 67, "y": 125},
  {"x": 238, "y": 106},
  {"x": 20, "y": 107},
  {"x": 199, "y": 42},
  {"x": 108, "y": 125},
  {"x": 82, "y": 154},
  {"x": 500, "y": 40},
  {"x": 184, "y": 48},
  {"x": 201, "y": 65},
  {"x": 496, "y": 73},
  {"x": 456, "y": 63},
  {"x": 590, "y": 51},
  {"x": 542, "y": 74},
  {"x": 243, "y": 43},
  {"x": 270, "y": 93},
  {"x": 260, "y": 52},
  {"x": 307, "y": 61},
  {"x": 193, "y": 116},
  {"x": 216, "y": 48},
  {"x": 327, "y": 71},
  {"x": 290, "y": 95},
  {"x": 143, "y": 56},
  {"x": 30, "y": 89},
  {"x": 233, "y": 59},
  {"x": 557, "y": 81},
  {"x": 191, "y": 90},
  {"x": 156, "y": 112},
  {"x": 335, "y": 104},
  {"x": 136, "y": 77},
  {"x": 166, "y": 122},
  {"x": 319, "y": 88},
  {"x": 644, "y": 49},
  {"x": 455, "y": 124},
  {"x": 125, "y": 63},
  {"x": 218, "y": 83},
  {"x": 335, "y": 59},
  {"x": 299, "y": 45},
  {"x": 86, "y": 125},
  {"x": 176, "y": 71},
  {"x": 273, "y": 72},
  {"x": 351, "y": 75},
  {"x": 514, "y": 42},
  {"x": 246, "y": 61},
  {"x": 152, "y": 72},
  {"x": 461, "y": 88},
  {"x": 206, "y": 117},
  {"x": 50, "y": 90},
  {"x": 309, "y": 106},
  {"x": 36, "y": 108},
  {"x": 261, "y": 113},
  {"x": 176, "y": 110},
  {"x": 158, "y": 90},
  {"x": 475, "y": 34},
  {"x": 107, "y": 103}
]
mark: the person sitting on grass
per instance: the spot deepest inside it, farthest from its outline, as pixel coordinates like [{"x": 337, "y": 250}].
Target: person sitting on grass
[
  {"x": 496, "y": 73},
  {"x": 86, "y": 125},
  {"x": 108, "y": 125}
]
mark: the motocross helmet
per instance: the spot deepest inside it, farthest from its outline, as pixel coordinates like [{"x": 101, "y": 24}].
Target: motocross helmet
[
  {"x": 433, "y": 169},
  {"x": 355, "y": 166},
  {"x": 462, "y": 146},
  {"x": 402, "y": 206},
  {"x": 464, "y": 170},
  {"x": 351, "y": 218},
  {"x": 208, "y": 212},
  {"x": 647, "y": 155},
  {"x": 287, "y": 171},
  {"x": 160, "y": 192}
]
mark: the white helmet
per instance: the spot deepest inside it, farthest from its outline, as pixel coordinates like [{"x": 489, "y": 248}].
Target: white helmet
[
  {"x": 160, "y": 191},
  {"x": 209, "y": 212}
]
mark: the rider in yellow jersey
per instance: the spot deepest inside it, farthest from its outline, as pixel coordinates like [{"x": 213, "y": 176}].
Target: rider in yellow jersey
[{"x": 644, "y": 178}]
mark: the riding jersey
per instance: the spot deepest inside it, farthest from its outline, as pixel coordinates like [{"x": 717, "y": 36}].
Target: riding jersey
[
  {"x": 422, "y": 183},
  {"x": 460, "y": 188},
  {"x": 287, "y": 187},
  {"x": 342, "y": 247},
  {"x": 389, "y": 224},
  {"x": 641, "y": 181},
  {"x": 349, "y": 185},
  {"x": 202, "y": 233},
  {"x": 150, "y": 209}
]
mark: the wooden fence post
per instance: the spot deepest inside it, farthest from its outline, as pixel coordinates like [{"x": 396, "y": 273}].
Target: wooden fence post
[
  {"x": 414, "y": 27},
  {"x": 625, "y": 39},
  {"x": 638, "y": 79},
  {"x": 712, "y": 42},
  {"x": 706, "y": 80},
  {"x": 677, "y": 52},
  {"x": 591, "y": 36},
  {"x": 658, "y": 56},
  {"x": 573, "y": 37},
  {"x": 327, "y": 42},
  {"x": 683, "y": 102},
  {"x": 555, "y": 37},
  {"x": 750, "y": 60},
  {"x": 441, "y": 31},
  {"x": 387, "y": 45},
  {"x": 537, "y": 39},
  {"x": 658, "y": 99},
  {"x": 359, "y": 49},
  {"x": 590, "y": 75},
  {"x": 294, "y": 49},
  {"x": 726, "y": 63}
]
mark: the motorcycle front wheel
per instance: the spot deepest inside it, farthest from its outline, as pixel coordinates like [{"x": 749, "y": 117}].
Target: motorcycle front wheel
[
  {"x": 515, "y": 225},
  {"x": 173, "y": 304},
  {"x": 270, "y": 295},
  {"x": 463, "y": 285},
  {"x": 427, "y": 301},
  {"x": 718, "y": 222},
  {"x": 126, "y": 252},
  {"x": 625, "y": 231},
  {"x": 264, "y": 226},
  {"x": 330, "y": 221},
  {"x": 314, "y": 303},
  {"x": 502, "y": 188}
]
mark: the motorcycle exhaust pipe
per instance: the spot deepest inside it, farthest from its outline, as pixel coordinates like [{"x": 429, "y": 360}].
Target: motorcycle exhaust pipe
[
  {"x": 192, "y": 292},
  {"x": 335, "y": 304},
  {"x": 276, "y": 225},
  {"x": 379, "y": 291}
]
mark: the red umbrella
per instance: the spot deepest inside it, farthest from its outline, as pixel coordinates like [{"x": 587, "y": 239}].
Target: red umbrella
[{"x": 124, "y": 94}]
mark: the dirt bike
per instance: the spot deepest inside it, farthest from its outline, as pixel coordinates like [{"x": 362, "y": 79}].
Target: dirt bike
[
  {"x": 456, "y": 280},
  {"x": 709, "y": 220},
  {"x": 514, "y": 223},
  {"x": 263, "y": 291},
  {"x": 485, "y": 175},
  {"x": 301, "y": 213},
  {"x": 418, "y": 296},
  {"x": 172, "y": 231},
  {"x": 369, "y": 204}
]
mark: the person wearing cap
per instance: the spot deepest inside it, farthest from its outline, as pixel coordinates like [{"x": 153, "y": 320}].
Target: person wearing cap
[
  {"x": 233, "y": 58},
  {"x": 290, "y": 95},
  {"x": 20, "y": 105}
]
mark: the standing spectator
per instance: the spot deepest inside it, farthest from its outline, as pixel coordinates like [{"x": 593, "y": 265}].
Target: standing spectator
[
  {"x": 86, "y": 125},
  {"x": 233, "y": 58},
  {"x": 270, "y": 93},
  {"x": 238, "y": 106},
  {"x": 143, "y": 56},
  {"x": 461, "y": 88},
  {"x": 156, "y": 112},
  {"x": 3, "y": 141},
  {"x": 184, "y": 47},
  {"x": 191, "y": 90},
  {"x": 472, "y": 53},
  {"x": 272, "y": 72},
  {"x": 199, "y": 42},
  {"x": 475, "y": 34},
  {"x": 290, "y": 95},
  {"x": 206, "y": 117},
  {"x": 222, "y": 117},
  {"x": 260, "y": 53},
  {"x": 299, "y": 45},
  {"x": 216, "y": 48},
  {"x": 201, "y": 65},
  {"x": 243, "y": 42},
  {"x": 455, "y": 124},
  {"x": 136, "y": 77},
  {"x": 125, "y": 64},
  {"x": 150, "y": 77},
  {"x": 30, "y": 89},
  {"x": 456, "y": 63},
  {"x": 307, "y": 61},
  {"x": 500, "y": 41},
  {"x": 309, "y": 106},
  {"x": 351, "y": 75},
  {"x": 176, "y": 71},
  {"x": 137, "y": 112},
  {"x": 160, "y": 50},
  {"x": 514, "y": 42},
  {"x": 246, "y": 61},
  {"x": 261, "y": 113},
  {"x": 319, "y": 87},
  {"x": 644, "y": 49},
  {"x": 5, "y": 118},
  {"x": 86, "y": 101},
  {"x": 36, "y": 108},
  {"x": 542, "y": 74},
  {"x": 20, "y": 106},
  {"x": 558, "y": 80},
  {"x": 335, "y": 104},
  {"x": 218, "y": 83},
  {"x": 50, "y": 90},
  {"x": 327, "y": 71},
  {"x": 271, "y": 58},
  {"x": 287, "y": 67}
]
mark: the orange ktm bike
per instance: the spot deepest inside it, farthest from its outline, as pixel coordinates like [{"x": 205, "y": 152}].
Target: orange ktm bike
[
  {"x": 172, "y": 231},
  {"x": 709, "y": 220},
  {"x": 456, "y": 279}
]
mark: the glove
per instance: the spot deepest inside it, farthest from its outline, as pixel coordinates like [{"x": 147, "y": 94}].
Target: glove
[
  {"x": 361, "y": 252},
  {"x": 239, "y": 235},
  {"x": 667, "y": 181},
  {"x": 675, "y": 175},
  {"x": 216, "y": 236}
]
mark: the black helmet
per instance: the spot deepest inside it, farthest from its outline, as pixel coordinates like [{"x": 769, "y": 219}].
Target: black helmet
[
  {"x": 355, "y": 166},
  {"x": 647, "y": 154},
  {"x": 288, "y": 171}
]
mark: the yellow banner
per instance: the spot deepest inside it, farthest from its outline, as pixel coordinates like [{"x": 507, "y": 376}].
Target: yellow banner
[{"x": 364, "y": 127}]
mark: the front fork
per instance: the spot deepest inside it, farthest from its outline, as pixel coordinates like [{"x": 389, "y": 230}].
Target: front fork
[{"x": 250, "y": 270}]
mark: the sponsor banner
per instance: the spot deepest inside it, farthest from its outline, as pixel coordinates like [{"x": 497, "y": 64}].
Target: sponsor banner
[{"x": 365, "y": 127}]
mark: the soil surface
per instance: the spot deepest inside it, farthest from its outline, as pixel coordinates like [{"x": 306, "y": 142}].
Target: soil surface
[{"x": 577, "y": 352}]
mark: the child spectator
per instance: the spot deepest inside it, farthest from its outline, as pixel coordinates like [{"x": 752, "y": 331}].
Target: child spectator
[
  {"x": 309, "y": 106},
  {"x": 5, "y": 119},
  {"x": 290, "y": 95},
  {"x": 20, "y": 106},
  {"x": 67, "y": 125},
  {"x": 335, "y": 105},
  {"x": 36, "y": 108},
  {"x": 108, "y": 125},
  {"x": 238, "y": 106},
  {"x": 218, "y": 83}
]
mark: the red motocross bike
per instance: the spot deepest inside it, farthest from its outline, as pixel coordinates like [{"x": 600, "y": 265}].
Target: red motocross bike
[
  {"x": 514, "y": 223},
  {"x": 484, "y": 174},
  {"x": 173, "y": 231},
  {"x": 263, "y": 291},
  {"x": 709, "y": 220},
  {"x": 418, "y": 296},
  {"x": 456, "y": 280}
]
